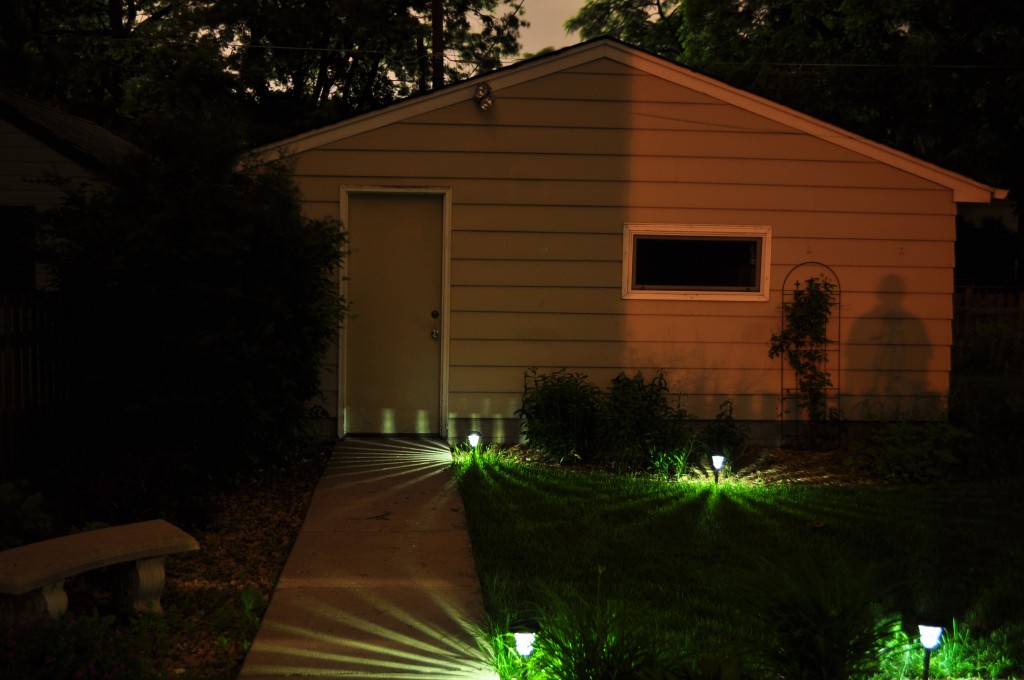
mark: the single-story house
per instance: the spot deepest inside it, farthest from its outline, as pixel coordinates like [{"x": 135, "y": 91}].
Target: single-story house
[
  {"x": 604, "y": 210},
  {"x": 37, "y": 144}
]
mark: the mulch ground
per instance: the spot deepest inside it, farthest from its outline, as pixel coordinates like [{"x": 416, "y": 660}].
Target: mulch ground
[
  {"x": 796, "y": 466},
  {"x": 215, "y": 596}
]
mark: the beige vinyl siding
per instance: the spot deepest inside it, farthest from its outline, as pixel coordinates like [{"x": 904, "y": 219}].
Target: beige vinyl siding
[
  {"x": 596, "y": 300},
  {"x": 622, "y": 195},
  {"x": 593, "y": 167},
  {"x": 543, "y": 183},
  {"x": 817, "y": 224}
]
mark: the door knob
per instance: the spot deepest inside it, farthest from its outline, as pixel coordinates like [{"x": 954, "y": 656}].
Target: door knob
[
  {"x": 435, "y": 334},
  {"x": 434, "y": 314}
]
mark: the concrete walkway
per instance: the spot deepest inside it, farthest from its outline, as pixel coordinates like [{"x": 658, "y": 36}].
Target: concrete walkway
[{"x": 381, "y": 581}]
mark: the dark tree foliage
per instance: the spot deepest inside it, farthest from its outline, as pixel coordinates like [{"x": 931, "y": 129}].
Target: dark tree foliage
[
  {"x": 81, "y": 55},
  {"x": 335, "y": 58},
  {"x": 196, "y": 307},
  {"x": 290, "y": 66}
]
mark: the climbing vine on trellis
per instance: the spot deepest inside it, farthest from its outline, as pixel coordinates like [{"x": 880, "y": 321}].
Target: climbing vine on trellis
[{"x": 804, "y": 342}]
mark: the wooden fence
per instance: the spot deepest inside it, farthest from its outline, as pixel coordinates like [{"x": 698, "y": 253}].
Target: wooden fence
[
  {"x": 988, "y": 330},
  {"x": 31, "y": 387},
  {"x": 975, "y": 303}
]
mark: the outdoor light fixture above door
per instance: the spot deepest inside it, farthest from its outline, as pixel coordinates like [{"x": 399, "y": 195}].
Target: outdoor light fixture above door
[{"x": 483, "y": 96}]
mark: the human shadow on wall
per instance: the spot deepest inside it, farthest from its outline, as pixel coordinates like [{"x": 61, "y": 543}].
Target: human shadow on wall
[{"x": 893, "y": 354}]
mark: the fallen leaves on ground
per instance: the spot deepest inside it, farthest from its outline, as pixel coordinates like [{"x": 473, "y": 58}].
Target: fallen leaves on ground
[{"x": 214, "y": 597}]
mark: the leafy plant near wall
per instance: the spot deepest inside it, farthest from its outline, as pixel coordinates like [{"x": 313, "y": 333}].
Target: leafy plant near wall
[
  {"x": 638, "y": 418},
  {"x": 560, "y": 413},
  {"x": 724, "y": 434},
  {"x": 568, "y": 419},
  {"x": 804, "y": 342}
]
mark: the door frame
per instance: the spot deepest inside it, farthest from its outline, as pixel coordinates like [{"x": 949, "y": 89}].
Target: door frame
[{"x": 445, "y": 193}]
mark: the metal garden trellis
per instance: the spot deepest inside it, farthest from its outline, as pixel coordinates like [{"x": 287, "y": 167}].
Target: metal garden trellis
[{"x": 789, "y": 393}]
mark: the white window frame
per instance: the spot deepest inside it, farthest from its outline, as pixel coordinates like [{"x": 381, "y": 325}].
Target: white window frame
[{"x": 744, "y": 232}]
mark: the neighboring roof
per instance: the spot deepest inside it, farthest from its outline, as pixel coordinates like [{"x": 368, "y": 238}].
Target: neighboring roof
[
  {"x": 78, "y": 139},
  {"x": 964, "y": 189}
]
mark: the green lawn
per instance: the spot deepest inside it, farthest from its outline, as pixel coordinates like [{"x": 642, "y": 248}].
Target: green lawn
[{"x": 691, "y": 564}]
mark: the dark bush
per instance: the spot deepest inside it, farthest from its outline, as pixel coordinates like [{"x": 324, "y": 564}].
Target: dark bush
[
  {"x": 910, "y": 451},
  {"x": 724, "y": 434},
  {"x": 987, "y": 393},
  {"x": 74, "y": 647},
  {"x": 567, "y": 418},
  {"x": 638, "y": 421},
  {"x": 991, "y": 408},
  {"x": 990, "y": 346},
  {"x": 22, "y": 518},
  {"x": 560, "y": 414},
  {"x": 196, "y": 304}
]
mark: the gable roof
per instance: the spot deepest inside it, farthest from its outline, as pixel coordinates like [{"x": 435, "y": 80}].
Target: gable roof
[
  {"x": 78, "y": 139},
  {"x": 965, "y": 190}
]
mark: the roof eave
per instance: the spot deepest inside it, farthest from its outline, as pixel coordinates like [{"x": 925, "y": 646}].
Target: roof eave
[{"x": 965, "y": 190}]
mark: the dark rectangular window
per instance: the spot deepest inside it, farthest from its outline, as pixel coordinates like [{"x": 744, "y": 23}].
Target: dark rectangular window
[{"x": 696, "y": 263}]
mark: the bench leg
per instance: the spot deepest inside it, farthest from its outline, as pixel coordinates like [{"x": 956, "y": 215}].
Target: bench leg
[
  {"x": 50, "y": 599},
  {"x": 143, "y": 585},
  {"x": 55, "y": 599}
]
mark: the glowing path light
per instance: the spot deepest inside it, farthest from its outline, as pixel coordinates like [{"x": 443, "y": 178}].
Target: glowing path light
[
  {"x": 524, "y": 632},
  {"x": 930, "y": 638},
  {"x": 524, "y": 643},
  {"x": 717, "y": 462}
]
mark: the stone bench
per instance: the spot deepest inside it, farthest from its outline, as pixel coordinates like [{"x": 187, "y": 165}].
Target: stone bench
[{"x": 32, "y": 576}]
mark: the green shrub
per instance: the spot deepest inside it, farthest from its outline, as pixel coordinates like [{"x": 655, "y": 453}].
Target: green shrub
[
  {"x": 76, "y": 647},
  {"x": 638, "y": 421},
  {"x": 560, "y": 414},
  {"x": 962, "y": 654},
  {"x": 908, "y": 451},
  {"x": 585, "y": 639},
  {"x": 672, "y": 464},
  {"x": 633, "y": 426}
]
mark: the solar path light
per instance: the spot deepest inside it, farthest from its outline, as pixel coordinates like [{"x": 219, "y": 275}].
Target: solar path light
[
  {"x": 524, "y": 631},
  {"x": 930, "y": 637},
  {"x": 717, "y": 462}
]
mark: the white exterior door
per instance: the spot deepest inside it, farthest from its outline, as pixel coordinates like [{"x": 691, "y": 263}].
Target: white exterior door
[{"x": 393, "y": 341}]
